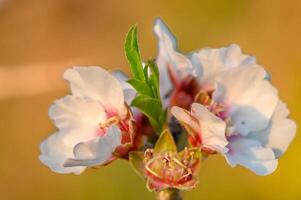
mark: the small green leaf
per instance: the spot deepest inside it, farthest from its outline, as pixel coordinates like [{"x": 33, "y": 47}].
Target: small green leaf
[
  {"x": 151, "y": 107},
  {"x": 136, "y": 161},
  {"x": 145, "y": 81},
  {"x": 141, "y": 87},
  {"x": 162, "y": 118},
  {"x": 132, "y": 53},
  {"x": 154, "y": 87},
  {"x": 145, "y": 71},
  {"x": 154, "y": 78},
  {"x": 165, "y": 143},
  {"x": 154, "y": 69}
]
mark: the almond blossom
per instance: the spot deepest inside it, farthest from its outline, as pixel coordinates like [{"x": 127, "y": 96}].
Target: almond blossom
[
  {"x": 240, "y": 94},
  {"x": 220, "y": 97},
  {"x": 94, "y": 124},
  {"x": 183, "y": 76}
]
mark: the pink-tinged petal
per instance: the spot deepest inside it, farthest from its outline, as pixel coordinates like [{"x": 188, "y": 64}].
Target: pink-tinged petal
[
  {"x": 185, "y": 116},
  {"x": 97, "y": 151},
  {"x": 251, "y": 154},
  {"x": 190, "y": 123},
  {"x": 55, "y": 151},
  {"x": 77, "y": 115},
  {"x": 169, "y": 60},
  {"x": 78, "y": 121},
  {"x": 213, "y": 129},
  {"x": 207, "y": 129},
  {"x": 251, "y": 100},
  {"x": 213, "y": 61},
  {"x": 128, "y": 90},
  {"x": 95, "y": 82},
  {"x": 280, "y": 132}
]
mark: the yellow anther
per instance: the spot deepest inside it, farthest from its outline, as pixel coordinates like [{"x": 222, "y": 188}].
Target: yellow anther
[{"x": 110, "y": 121}]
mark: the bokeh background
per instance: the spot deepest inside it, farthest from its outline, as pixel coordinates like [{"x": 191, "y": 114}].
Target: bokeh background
[{"x": 39, "y": 39}]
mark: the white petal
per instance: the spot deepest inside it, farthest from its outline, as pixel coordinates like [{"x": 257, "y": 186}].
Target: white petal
[
  {"x": 213, "y": 61},
  {"x": 128, "y": 90},
  {"x": 184, "y": 116},
  {"x": 54, "y": 152},
  {"x": 164, "y": 34},
  {"x": 250, "y": 98},
  {"x": 97, "y": 83},
  {"x": 97, "y": 151},
  {"x": 250, "y": 154},
  {"x": 212, "y": 128},
  {"x": 82, "y": 116},
  {"x": 169, "y": 57},
  {"x": 280, "y": 132}
]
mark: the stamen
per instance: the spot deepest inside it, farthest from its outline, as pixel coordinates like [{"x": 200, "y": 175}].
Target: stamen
[
  {"x": 151, "y": 171},
  {"x": 203, "y": 98},
  {"x": 148, "y": 154},
  {"x": 178, "y": 162},
  {"x": 110, "y": 121}
]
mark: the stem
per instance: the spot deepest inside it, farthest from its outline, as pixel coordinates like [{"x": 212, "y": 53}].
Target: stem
[{"x": 169, "y": 194}]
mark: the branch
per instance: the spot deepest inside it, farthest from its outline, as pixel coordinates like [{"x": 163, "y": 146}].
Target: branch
[{"x": 169, "y": 194}]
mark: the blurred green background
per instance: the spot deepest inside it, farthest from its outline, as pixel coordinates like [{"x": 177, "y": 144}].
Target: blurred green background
[{"x": 39, "y": 39}]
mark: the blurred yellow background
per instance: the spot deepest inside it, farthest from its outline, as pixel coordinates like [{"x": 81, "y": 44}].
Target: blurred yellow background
[{"x": 39, "y": 39}]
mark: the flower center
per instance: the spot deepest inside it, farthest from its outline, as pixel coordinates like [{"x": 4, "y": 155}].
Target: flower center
[
  {"x": 184, "y": 93},
  {"x": 168, "y": 167},
  {"x": 123, "y": 125},
  {"x": 218, "y": 109}
]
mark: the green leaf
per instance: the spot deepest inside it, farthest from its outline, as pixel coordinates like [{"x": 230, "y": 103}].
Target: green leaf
[
  {"x": 141, "y": 87},
  {"x": 132, "y": 53},
  {"x": 153, "y": 80},
  {"x": 145, "y": 71},
  {"x": 162, "y": 118},
  {"x": 136, "y": 161},
  {"x": 165, "y": 143},
  {"x": 151, "y": 107},
  {"x": 145, "y": 81},
  {"x": 154, "y": 69},
  {"x": 154, "y": 87}
]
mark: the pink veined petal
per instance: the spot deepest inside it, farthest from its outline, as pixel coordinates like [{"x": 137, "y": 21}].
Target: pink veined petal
[
  {"x": 95, "y": 82},
  {"x": 251, "y": 100}
]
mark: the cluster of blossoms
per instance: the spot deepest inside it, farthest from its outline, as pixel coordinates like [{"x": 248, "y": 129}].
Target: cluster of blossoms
[{"x": 176, "y": 110}]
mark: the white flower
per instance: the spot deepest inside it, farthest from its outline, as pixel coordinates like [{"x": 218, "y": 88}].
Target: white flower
[
  {"x": 260, "y": 150},
  {"x": 257, "y": 127},
  {"x": 249, "y": 103},
  {"x": 203, "y": 65},
  {"x": 92, "y": 122}
]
